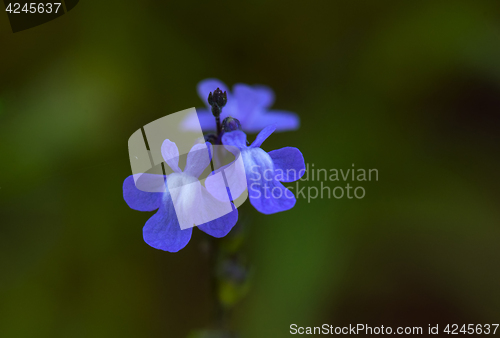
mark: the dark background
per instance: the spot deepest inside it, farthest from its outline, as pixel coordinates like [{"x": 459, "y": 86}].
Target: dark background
[{"x": 411, "y": 88}]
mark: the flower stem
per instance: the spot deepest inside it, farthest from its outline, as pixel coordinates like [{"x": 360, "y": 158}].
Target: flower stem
[
  {"x": 220, "y": 311},
  {"x": 219, "y": 127}
]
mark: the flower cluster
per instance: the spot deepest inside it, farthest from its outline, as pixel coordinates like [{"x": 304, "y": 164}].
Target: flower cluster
[
  {"x": 181, "y": 193},
  {"x": 163, "y": 230},
  {"x": 249, "y": 104}
]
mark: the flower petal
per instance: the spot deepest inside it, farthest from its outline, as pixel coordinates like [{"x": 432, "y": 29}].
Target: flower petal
[
  {"x": 271, "y": 197},
  {"x": 185, "y": 191},
  {"x": 284, "y": 121},
  {"x": 142, "y": 200},
  {"x": 266, "y": 194},
  {"x": 202, "y": 117},
  {"x": 235, "y": 179},
  {"x": 193, "y": 204},
  {"x": 251, "y": 101},
  {"x": 170, "y": 154},
  {"x": 221, "y": 226},
  {"x": 162, "y": 230},
  {"x": 235, "y": 138},
  {"x": 249, "y": 98},
  {"x": 263, "y": 135},
  {"x": 289, "y": 164},
  {"x": 198, "y": 159},
  {"x": 216, "y": 186},
  {"x": 266, "y": 95}
]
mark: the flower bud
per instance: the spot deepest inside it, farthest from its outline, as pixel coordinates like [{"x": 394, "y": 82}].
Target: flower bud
[
  {"x": 210, "y": 99},
  {"x": 217, "y": 100},
  {"x": 231, "y": 124}
]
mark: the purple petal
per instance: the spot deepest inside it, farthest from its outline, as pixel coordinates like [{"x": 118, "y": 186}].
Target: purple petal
[
  {"x": 162, "y": 230},
  {"x": 193, "y": 204},
  {"x": 235, "y": 179},
  {"x": 289, "y": 164},
  {"x": 206, "y": 120},
  {"x": 271, "y": 197},
  {"x": 266, "y": 194},
  {"x": 209, "y": 85},
  {"x": 235, "y": 138},
  {"x": 253, "y": 98},
  {"x": 203, "y": 118},
  {"x": 170, "y": 154},
  {"x": 266, "y": 95},
  {"x": 263, "y": 135},
  {"x": 284, "y": 121},
  {"x": 216, "y": 186},
  {"x": 142, "y": 200},
  {"x": 198, "y": 159},
  {"x": 249, "y": 98},
  {"x": 221, "y": 226}
]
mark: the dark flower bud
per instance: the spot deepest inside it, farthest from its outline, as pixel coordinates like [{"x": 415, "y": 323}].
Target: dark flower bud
[
  {"x": 217, "y": 100},
  {"x": 220, "y": 98},
  {"x": 231, "y": 124},
  {"x": 210, "y": 99}
]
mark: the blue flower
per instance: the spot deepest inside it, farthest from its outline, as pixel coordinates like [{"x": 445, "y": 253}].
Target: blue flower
[
  {"x": 264, "y": 171},
  {"x": 180, "y": 199},
  {"x": 249, "y": 104}
]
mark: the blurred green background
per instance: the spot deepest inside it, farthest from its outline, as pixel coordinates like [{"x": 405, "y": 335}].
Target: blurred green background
[{"x": 409, "y": 88}]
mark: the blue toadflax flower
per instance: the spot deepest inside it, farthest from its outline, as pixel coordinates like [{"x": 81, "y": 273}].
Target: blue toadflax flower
[
  {"x": 263, "y": 171},
  {"x": 249, "y": 104},
  {"x": 180, "y": 200}
]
